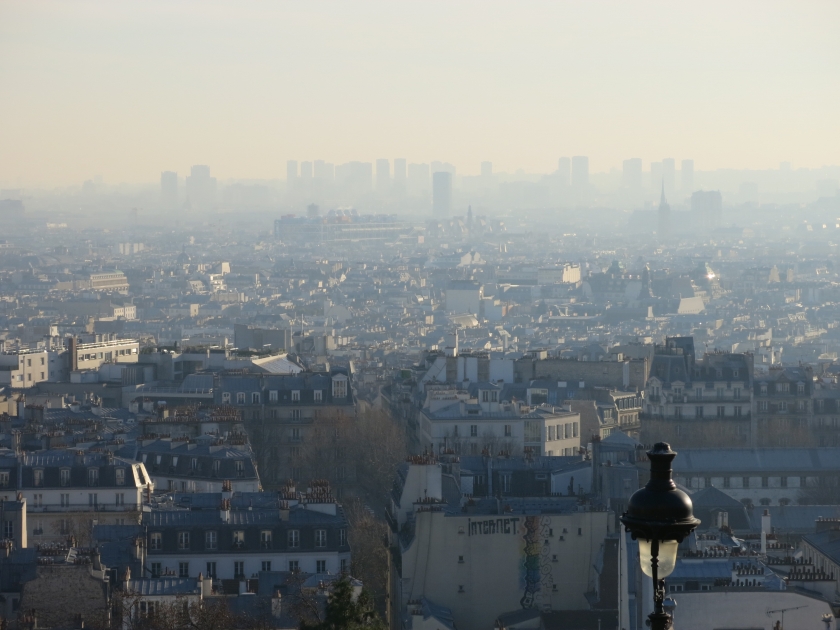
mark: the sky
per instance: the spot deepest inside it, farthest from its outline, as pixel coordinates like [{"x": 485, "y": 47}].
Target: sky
[{"x": 125, "y": 90}]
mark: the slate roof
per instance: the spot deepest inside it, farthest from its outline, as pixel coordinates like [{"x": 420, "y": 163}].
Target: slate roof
[
  {"x": 163, "y": 586},
  {"x": 758, "y": 460}
]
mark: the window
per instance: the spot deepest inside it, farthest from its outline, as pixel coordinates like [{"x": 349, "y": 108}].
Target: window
[
  {"x": 265, "y": 540},
  {"x": 339, "y": 387},
  {"x": 783, "y": 405},
  {"x": 294, "y": 566},
  {"x": 120, "y": 476},
  {"x": 238, "y": 569},
  {"x": 183, "y": 569},
  {"x": 211, "y": 540},
  {"x": 93, "y": 499},
  {"x": 720, "y": 393},
  {"x": 342, "y": 537},
  {"x": 156, "y": 541},
  {"x": 473, "y": 430},
  {"x": 726, "y": 482},
  {"x": 240, "y": 468},
  {"x": 238, "y": 538},
  {"x": 320, "y": 566},
  {"x": 240, "y": 398},
  {"x": 508, "y": 430},
  {"x": 551, "y": 433},
  {"x": 217, "y": 466},
  {"x": 784, "y": 482},
  {"x": 782, "y": 388},
  {"x": 296, "y": 414},
  {"x": 698, "y": 412},
  {"x": 38, "y": 500},
  {"x": 295, "y": 395},
  {"x": 93, "y": 476},
  {"x": 800, "y": 388},
  {"x": 745, "y": 482},
  {"x": 211, "y": 570},
  {"x": 272, "y": 395},
  {"x": 319, "y": 394},
  {"x": 65, "y": 499},
  {"x": 255, "y": 398},
  {"x": 120, "y": 498},
  {"x": 698, "y": 393},
  {"x": 343, "y": 565},
  {"x": 194, "y": 463},
  {"x": 294, "y": 451},
  {"x": 38, "y": 477},
  {"x": 183, "y": 540},
  {"x": 736, "y": 393},
  {"x": 505, "y": 483},
  {"x": 225, "y": 398},
  {"x": 295, "y": 434},
  {"x": 765, "y": 482},
  {"x": 678, "y": 412},
  {"x": 320, "y": 537},
  {"x": 155, "y": 569},
  {"x": 293, "y": 538},
  {"x": 738, "y": 411},
  {"x": 802, "y": 405},
  {"x": 721, "y": 411},
  {"x": 266, "y": 565}
]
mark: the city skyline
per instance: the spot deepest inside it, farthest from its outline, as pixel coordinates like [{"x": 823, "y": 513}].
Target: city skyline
[{"x": 163, "y": 87}]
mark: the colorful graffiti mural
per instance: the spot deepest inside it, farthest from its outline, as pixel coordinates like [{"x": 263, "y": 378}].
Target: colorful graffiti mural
[{"x": 536, "y": 578}]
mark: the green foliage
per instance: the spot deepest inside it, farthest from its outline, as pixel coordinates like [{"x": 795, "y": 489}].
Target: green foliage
[{"x": 344, "y": 612}]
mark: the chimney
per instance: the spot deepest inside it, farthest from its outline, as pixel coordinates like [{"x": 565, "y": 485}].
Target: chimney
[{"x": 206, "y": 586}]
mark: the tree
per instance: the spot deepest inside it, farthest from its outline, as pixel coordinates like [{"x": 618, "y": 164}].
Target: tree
[
  {"x": 369, "y": 542},
  {"x": 345, "y": 611}
]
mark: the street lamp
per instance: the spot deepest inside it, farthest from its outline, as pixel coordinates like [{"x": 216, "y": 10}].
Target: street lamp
[{"x": 659, "y": 516}]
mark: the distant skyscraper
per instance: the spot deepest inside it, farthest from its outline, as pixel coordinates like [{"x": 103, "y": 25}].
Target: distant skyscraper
[
  {"x": 441, "y": 194},
  {"x": 418, "y": 179},
  {"x": 443, "y": 167},
  {"x": 664, "y": 218},
  {"x": 487, "y": 170},
  {"x": 306, "y": 171},
  {"x": 169, "y": 189},
  {"x": 580, "y": 172},
  {"x": 564, "y": 171},
  {"x": 400, "y": 176},
  {"x": 655, "y": 175},
  {"x": 355, "y": 177},
  {"x": 687, "y": 176},
  {"x": 324, "y": 171},
  {"x": 291, "y": 172},
  {"x": 201, "y": 188},
  {"x": 631, "y": 175},
  {"x": 706, "y": 209},
  {"x": 669, "y": 174},
  {"x": 383, "y": 176}
]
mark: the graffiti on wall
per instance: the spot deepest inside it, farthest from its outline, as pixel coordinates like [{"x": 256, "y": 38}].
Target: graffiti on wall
[{"x": 537, "y": 580}]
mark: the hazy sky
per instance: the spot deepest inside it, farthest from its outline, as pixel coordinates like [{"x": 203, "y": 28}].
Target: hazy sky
[{"x": 126, "y": 89}]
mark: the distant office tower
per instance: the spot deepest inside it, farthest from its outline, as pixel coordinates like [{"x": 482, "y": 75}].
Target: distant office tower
[
  {"x": 656, "y": 175},
  {"x": 306, "y": 171},
  {"x": 291, "y": 172},
  {"x": 487, "y": 170},
  {"x": 201, "y": 188},
  {"x": 664, "y": 218},
  {"x": 687, "y": 176},
  {"x": 324, "y": 171},
  {"x": 784, "y": 166},
  {"x": 418, "y": 179},
  {"x": 564, "y": 171},
  {"x": 443, "y": 167},
  {"x": 383, "y": 176},
  {"x": 669, "y": 174},
  {"x": 441, "y": 193},
  {"x": 355, "y": 177},
  {"x": 706, "y": 209},
  {"x": 399, "y": 176},
  {"x": 580, "y": 172},
  {"x": 169, "y": 189},
  {"x": 631, "y": 175}
]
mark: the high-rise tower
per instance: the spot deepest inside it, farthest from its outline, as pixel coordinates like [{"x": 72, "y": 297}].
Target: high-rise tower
[{"x": 664, "y": 227}]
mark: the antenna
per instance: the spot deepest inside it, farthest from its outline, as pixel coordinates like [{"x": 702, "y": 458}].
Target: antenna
[{"x": 782, "y": 611}]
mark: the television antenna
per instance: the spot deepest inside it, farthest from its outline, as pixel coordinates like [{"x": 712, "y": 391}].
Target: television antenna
[{"x": 782, "y": 612}]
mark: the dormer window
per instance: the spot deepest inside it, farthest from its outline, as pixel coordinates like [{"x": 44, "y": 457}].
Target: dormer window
[
  {"x": 119, "y": 475},
  {"x": 735, "y": 373},
  {"x": 64, "y": 477},
  {"x": 339, "y": 387},
  {"x": 764, "y": 389},
  {"x": 318, "y": 394},
  {"x": 93, "y": 476},
  {"x": 38, "y": 477},
  {"x": 295, "y": 395},
  {"x": 272, "y": 395},
  {"x": 240, "y": 398},
  {"x": 255, "y": 398},
  {"x": 226, "y": 398},
  {"x": 800, "y": 388}
]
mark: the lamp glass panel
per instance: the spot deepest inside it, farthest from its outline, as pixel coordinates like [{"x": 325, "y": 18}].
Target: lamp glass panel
[{"x": 667, "y": 557}]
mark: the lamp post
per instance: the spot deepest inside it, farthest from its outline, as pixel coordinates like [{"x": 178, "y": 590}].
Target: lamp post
[{"x": 659, "y": 516}]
